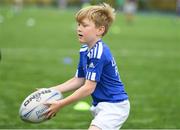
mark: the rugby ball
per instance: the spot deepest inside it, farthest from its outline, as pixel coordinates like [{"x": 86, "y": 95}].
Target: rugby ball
[{"x": 32, "y": 108}]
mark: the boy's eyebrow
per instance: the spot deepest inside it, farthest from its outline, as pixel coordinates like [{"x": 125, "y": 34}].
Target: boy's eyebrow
[{"x": 81, "y": 22}]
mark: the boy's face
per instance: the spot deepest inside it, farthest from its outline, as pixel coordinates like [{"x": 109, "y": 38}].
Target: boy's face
[{"x": 87, "y": 32}]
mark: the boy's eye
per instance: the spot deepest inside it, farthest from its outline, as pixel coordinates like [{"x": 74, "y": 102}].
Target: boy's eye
[{"x": 85, "y": 25}]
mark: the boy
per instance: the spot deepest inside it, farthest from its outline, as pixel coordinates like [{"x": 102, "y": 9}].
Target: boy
[{"x": 97, "y": 74}]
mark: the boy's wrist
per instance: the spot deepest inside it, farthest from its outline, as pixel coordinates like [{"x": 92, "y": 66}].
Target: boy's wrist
[{"x": 56, "y": 88}]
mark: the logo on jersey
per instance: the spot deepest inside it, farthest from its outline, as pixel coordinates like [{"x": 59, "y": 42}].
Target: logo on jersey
[{"x": 91, "y": 65}]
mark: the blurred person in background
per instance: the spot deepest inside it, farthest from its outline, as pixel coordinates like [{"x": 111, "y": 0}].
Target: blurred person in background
[
  {"x": 85, "y": 3},
  {"x": 62, "y": 4},
  {"x": 130, "y": 7},
  {"x": 17, "y": 6},
  {"x": 120, "y": 4},
  {"x": 178, "y": 8},
  {"x": 97, "y": 73}
]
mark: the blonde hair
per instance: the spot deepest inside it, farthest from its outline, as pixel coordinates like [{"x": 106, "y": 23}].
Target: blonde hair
[{"x": 101, "y": 15}]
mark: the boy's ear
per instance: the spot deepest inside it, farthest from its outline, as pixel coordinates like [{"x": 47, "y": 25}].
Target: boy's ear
[{"x": 100, "y": 30}]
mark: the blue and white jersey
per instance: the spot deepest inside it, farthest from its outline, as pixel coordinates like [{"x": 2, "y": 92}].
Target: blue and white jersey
[{"x": 97, "y": 64}]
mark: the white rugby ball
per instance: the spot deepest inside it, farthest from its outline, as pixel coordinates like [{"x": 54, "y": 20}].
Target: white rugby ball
[{"x": 33, "y": 108}]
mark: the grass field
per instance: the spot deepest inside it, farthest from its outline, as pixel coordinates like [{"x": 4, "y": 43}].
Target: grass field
[{"x": 36, "y": 43}]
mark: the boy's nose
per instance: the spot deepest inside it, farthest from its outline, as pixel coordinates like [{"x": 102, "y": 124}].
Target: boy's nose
[{"x": 78, "y": 29}]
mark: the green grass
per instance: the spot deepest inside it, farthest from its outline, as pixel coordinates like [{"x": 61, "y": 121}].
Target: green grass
[{"x": 147, "y": 54}]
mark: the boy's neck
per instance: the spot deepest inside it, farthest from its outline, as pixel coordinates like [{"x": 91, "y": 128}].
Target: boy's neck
[{"x": 90, "y": 45}]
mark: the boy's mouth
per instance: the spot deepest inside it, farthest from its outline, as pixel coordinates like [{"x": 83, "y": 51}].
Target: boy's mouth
[{"x": 80, "y": 35}]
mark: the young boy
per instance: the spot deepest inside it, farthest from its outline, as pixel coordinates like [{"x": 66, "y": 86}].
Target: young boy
[{"x": 97, "y": 74}]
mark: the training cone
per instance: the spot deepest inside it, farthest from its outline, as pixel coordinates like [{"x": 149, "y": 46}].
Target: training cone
[{"x": 82, "y": 106}]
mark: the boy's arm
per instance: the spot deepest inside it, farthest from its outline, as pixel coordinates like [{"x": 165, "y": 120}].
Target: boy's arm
[
  {"x": 72, "y": 84},
  {"x": 84, "y": 91}
]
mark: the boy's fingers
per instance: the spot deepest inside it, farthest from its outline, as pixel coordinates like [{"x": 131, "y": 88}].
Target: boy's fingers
[
  {"x": 46, "y": 112},
  {"x": 54, "y": 115},
  {"x": 47, "y": 103},
  {"x": 49, "y": 115}
]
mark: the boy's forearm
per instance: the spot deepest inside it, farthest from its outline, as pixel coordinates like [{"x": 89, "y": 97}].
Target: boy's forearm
[
  {"x": 82, "y": 92},
  {"x": 72, "y": 84}
]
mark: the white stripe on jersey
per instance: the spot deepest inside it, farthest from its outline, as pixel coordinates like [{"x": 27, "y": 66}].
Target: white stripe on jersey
[
  {"x": 84, "y": 48},
  {"x": 88, "y": 75},
  {"x": 89, "y": 55},
  {"x": 91, "y": 76},
  {"x": 100, "y": 50},
  {"x": 96, "y": 52},
  {"x": 76, "y": 73}
]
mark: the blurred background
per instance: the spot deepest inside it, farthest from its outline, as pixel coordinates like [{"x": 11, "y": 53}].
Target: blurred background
[{"x": 39, "y": 48}]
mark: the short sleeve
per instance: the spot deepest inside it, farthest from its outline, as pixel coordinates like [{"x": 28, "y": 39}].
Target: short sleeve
[
  {"x": 80, "y": 69},
  {"x": 80, "y": 72},
  {"x": 94, "y": 69}
]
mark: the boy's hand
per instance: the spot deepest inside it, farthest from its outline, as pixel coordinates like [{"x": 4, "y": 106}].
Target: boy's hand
[{"x": 54, "y": 107}]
